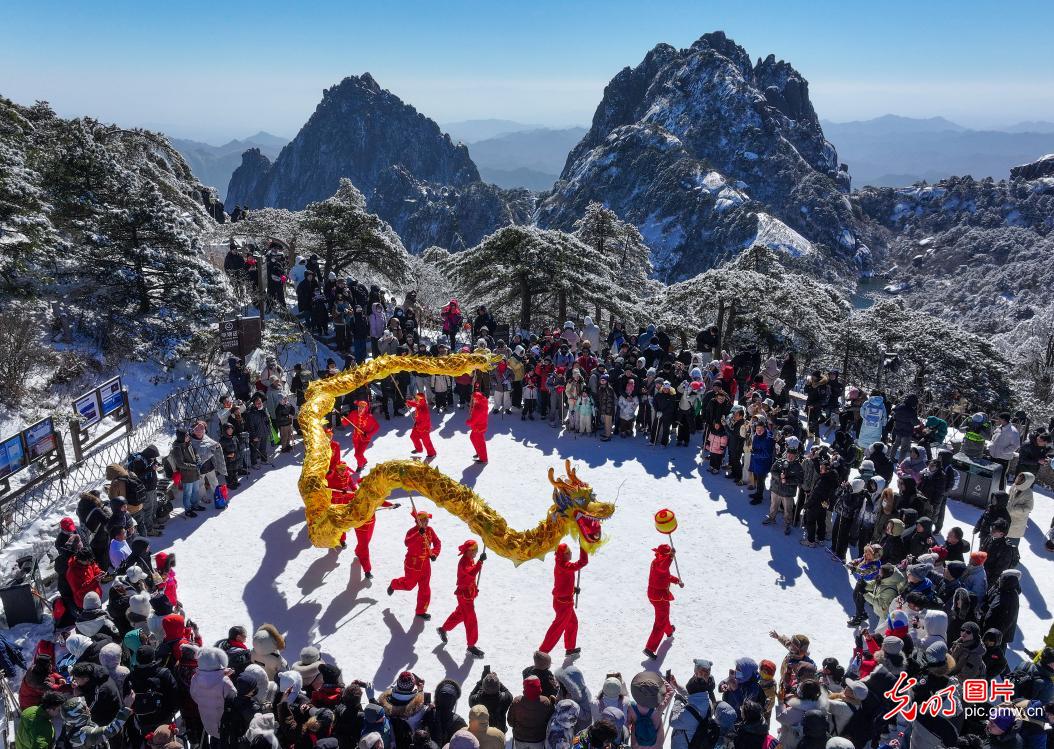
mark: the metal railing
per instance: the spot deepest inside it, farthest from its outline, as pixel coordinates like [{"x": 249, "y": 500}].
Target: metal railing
[{"x": 176, "y": 411}]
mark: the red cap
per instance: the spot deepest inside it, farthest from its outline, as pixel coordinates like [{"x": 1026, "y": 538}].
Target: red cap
[
  {"x": 767, "y": 667},
  {"x": 662, "y": 549},
  {"x": 161, "y": 559},
  {"x": 68, "y": 525},
  {"x": 470, "y": 544},
  {"x": 940, "y": 551}
]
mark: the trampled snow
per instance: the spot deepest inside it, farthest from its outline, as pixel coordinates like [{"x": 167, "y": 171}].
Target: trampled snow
[{"x": 252, "y": 564}]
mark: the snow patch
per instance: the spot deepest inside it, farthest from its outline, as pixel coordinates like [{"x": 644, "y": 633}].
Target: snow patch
[{"x": 776, "y": 235}]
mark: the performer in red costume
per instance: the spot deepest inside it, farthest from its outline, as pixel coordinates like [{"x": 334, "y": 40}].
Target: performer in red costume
[
  {"x": 477, "y": 424},
  {"x": 659, "y": 581},
  {"x": 334, "y": 450},
  {"x": 468, "y": 570},
  {"x": 420, "y": 435},
  {"x": 343, "y": 483},
  {"x": 566, "y": 621},
  {"x": 365, "y": 427},
  {"x": 422, "y": 548},
  {"x": 363, "y": 535}
]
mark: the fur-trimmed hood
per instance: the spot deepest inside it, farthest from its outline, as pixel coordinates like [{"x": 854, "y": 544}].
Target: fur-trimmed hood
[
  {"x": 396, "y": 710},
  {"x": 268, "y": 639}
]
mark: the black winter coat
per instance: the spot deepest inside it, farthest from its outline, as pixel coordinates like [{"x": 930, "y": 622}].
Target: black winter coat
[
  {"x": 1001, "y": 608},
  {"x": 157, "y": 695},
  {"x": 102, "y": 697},
  {"x": 258, "y": 423},
  {"x": 497, "y": 704},
  {"x": 1001, "y": 557}
]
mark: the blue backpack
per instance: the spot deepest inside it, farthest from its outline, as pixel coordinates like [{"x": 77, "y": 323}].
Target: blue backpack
[{"x": 644, "y": 730}]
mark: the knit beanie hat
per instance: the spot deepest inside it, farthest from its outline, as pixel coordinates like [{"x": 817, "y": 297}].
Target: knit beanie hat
[
  {"x": 767, "y": 667},
  {"x": 92, "y": 602},
  {"x": 532, "y": 687},
  {"x": 542, "y": 661},
  {"x": 405, "y": 687},
  {"x": 612, "y": 688},
  {"x": 892, "y": 645},
  {"x": 978, "y": 558},
  {"x": 920, "y": 571}
]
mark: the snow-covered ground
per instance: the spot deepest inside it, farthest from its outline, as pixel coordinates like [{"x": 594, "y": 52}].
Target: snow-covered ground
[{"x": 252, "y": 564}]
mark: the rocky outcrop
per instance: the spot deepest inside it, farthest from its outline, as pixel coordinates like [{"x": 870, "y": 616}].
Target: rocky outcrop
[
  {"x": 426, "y": 214},
  {"x": 247, "y": 178},
  {"x": 412, "y": 174},
  {"x": 696, "y": 147},
  {"x": 1042, "y": 167}
]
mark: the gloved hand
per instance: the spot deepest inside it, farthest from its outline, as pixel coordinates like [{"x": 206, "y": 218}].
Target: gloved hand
[
  {"x": 483, "y": 557},
  {"x": 433, "y": 557}
]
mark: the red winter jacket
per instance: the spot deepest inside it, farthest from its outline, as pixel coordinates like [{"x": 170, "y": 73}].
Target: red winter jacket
[
  {"x": 477, "y": 420},
  {"x": 564, "y": 576},
  {"x": 83, "y": 578},
  {"x": 728, "y": 374},
  {"x": 660, "y": 579}
]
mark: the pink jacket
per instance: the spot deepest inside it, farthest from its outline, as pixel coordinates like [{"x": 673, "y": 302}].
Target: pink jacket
[{"x": 716, "y": 443}]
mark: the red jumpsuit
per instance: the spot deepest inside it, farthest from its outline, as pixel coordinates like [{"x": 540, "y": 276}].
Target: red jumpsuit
[
  {"x": 659, "y": 581},
  {"x": 477, "y": 424},
  {"x": 566, "y": 621},
  {"x": 363, "y": 535},
  {"x": 365, "y": 426},
  {"x": 420, "y": 435},
  {"x": 466, "y": 592},
  {"x": 343, "y": 485},
  {"x": 417, "y": 566},
  {"x": 334, "y": 455}
]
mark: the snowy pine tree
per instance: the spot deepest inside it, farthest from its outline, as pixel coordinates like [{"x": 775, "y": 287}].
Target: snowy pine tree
[
  {"x": 349, "y": 236},
  {"x": 619, "y": 242},
  {"x": 523, "y": 270}
]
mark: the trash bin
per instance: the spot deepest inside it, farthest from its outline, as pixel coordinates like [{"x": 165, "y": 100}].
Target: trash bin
[
  {"x": 16, "y": 597},
  {"x": 977, "y": 478},
  {"x": 20, "y": 605}
]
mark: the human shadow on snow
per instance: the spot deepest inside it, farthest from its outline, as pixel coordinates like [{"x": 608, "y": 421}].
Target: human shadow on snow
[
  {"x": 400, "y": 654},
  {"x": 261, "y": 596}
]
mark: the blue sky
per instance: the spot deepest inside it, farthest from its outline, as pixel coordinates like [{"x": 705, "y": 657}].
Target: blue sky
[{"x": 217, "y": 70}]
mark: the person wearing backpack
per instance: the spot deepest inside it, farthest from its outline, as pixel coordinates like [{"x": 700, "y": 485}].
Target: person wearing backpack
[
  {"x": 155, "y": 688},
  {"x": 142, "y": 466},
  {"x": 646, "y": 724},
  {"x": 691, "y": 722}
]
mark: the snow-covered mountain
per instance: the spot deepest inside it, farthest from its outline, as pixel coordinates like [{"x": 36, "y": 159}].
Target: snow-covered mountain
[
  {"x": 706, "y": 152},
  {"x": 412, "y": 174}
]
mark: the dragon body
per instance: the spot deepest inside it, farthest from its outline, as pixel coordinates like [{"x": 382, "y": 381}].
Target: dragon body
[{"x": 574, "y": 510}]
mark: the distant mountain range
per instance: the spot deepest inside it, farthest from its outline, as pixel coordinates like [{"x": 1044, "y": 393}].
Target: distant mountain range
[
  {"x": 528, "y": 158},
  {"x": 893, "y": 151},
  {"x": 214, "y": 165}
]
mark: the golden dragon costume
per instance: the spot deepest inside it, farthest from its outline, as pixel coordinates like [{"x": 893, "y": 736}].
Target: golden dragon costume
[{"x": 574, "y": 511}]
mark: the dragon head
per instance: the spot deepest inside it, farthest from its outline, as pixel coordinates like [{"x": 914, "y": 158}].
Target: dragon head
[{"x": 577, "y": 508}]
